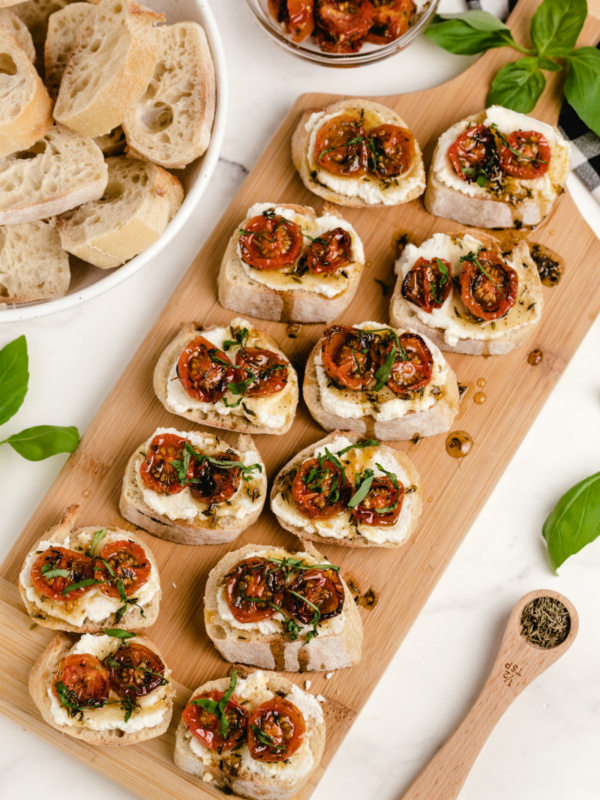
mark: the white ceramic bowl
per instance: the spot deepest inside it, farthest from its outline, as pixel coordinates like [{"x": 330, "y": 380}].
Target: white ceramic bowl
[{"x": 87, "y": 281}]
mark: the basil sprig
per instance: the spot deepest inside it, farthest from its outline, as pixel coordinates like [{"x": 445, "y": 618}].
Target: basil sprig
[
  {"x": 41, "y": 441},
  {"x": 574, "y": 521},
  {"x": 554, "y": 30},
  {"x": 218, "y": 708}
]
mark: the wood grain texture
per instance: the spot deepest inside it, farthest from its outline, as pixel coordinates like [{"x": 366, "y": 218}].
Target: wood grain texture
[{"x": 454, "y": 490}]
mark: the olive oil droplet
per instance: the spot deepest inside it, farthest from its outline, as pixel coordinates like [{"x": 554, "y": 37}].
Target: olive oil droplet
[
  {"x": 459, "y": 444},
  {"x": 481, "y": 382},
  {"x": 293, "y": 330},
  {"x": 535, "y": 357},
  {"x": 479, "y": 398}
]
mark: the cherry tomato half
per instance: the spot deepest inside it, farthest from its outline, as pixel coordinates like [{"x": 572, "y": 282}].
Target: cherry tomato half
[
  {"x": 134, "y": 670},
  {"x": 413, "y": 365},
  {"x": 156, "y": 470},
  {"x": 391, "y": 150},
  {"x": 78, "y": 565},
  {"x": 276, "y": 729},
  {"x": 344, "y": 23},
  {"x": 534, "y": 158},
  {"x": 349, "y": 357},
  {"x": 128, "y": 564},
  {"x": 204, "y": 370},
  {"x": 270, "y": 242},
  {"x": 319, "y": 489},
  {"x": 85, "y": 681},
  {"x": 297, "y": 17},
  {"x": 329, "y": 252},
  {"x": 268, "y": 371},
  {"x": 323, "y": 588},
  {"x": 252, "y": 586},
  {"x": 382, "y": 505},
  {"x": 341, "y": 146},
  {"x": 427, "y": 284},
  {"x": 215, "y": 484},
  {"x": 472, "y": 152},
  {"x": 391, "y": 19},
  {"x": 488, "y": 286},
  {"x": 205, "y": 726}
]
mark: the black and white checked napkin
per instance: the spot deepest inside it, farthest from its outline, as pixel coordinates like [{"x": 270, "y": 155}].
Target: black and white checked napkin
[{"x": 585, "y": 156}]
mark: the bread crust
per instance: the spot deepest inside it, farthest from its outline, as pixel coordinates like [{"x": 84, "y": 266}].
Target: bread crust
[
  {"x": 40, "y": 679},
  {"x": 131, "y": 620},
  {"x": 192, "y": 532},
  {"x": 404, "y": 463},
  {"x": 259, "y": 788},
  {"x": 301, "y": 144},
  {"x": 232, "y": 422},
  {"x": 239, "y": 292},
  {"x": 436, "y": 419}
]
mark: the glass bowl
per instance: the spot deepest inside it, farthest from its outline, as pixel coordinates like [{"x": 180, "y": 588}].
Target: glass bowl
[{"x": 368, "y": 54}]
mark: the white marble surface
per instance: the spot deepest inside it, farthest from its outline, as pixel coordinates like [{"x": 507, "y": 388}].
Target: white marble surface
[{"x": 547, "y": 744}]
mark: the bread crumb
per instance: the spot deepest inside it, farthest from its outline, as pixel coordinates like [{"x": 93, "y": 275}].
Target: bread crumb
[
  {"x": 174, "y": 585},
  {"x": 207, "y": 777},
  {"x": 307, "y": 684},
  {"x": 321, "y": 699},
  {"x": 329, "y": 676}
]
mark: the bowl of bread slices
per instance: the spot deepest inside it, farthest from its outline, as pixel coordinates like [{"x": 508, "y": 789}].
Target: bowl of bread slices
[{"x": 112, "y": 119}]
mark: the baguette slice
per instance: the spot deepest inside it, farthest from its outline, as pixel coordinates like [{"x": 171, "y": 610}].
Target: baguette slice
[
  {"x": 505, "y": 203},
  {"x": 16, "y": 26},
  {"x": 33, "y": 264},
  {"x": 304, "y": 299},
  {"x": 138, "y": 203},
  {"x": 59, "y": 172},
  {"x": 364, "y": 192},
  {"x": 437, "y": 418},
  {"x": 452, "y": 327},
  {"x": 171, "y": 122},
  {"x": 235, "y": 771},
  {"x": 113, "y": 143},
  {"x": 347, "y": 534},
  {"x": 132, "y": 619},
  {"x": 62, "y": 27},
  {"x": 40, "y": 681},
  {"x": 110, "y": 66},
  {"x": 26, "y": 106},
  {"x": 201, "y": 529},
  {"x": 332, "y": 649},
  {"x": 273, "y": 414},
  {"x": 35, "y": 14}
]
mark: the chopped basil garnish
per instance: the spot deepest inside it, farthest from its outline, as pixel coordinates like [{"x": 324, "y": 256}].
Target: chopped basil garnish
[
  {"x": 119, "y": 633},
  {"x": 504, "y": 140},
  {"x": 48, "y": 572},
  {"x": 98, "y": 537},
  {"x": 240, "y": 337},
  {"x": 364, "y": 487},
  {"x": 80, "y": 585},
  {"x": 265, "y": 739},
  {"x": 67, "y": 697},
  {"x": 218, "y": 708}
]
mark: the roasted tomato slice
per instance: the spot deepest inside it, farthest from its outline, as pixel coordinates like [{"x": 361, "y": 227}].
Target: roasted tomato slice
[
  {"x": 214, "y": 484},
  {"x": 267, "y": 370},
  {"x": 81, "y": 681},
  {"x": 488, "y": 286},
  {"x": 128, "y": 565},
  {"x": 156, "y": 470},
  {"x": 319, "y": 489},
  {"x": 297, "y": 17},
  {"x": 204, "y": 370},
  {"x": 329, "y": 252},
  {"x": 344, "y": 21},
  {"x": 252, "y": 586},
  {"x": 78, "y": 566},
  {"x": 412, "y": 366},
  {"x": 349, "y": 357},
  {"x": 276, "y": 729},
  {"x": 473, "y": 152},
  {"x": 270, "y": 242},
  {"x": 533, "y": 160},
  {"x": 134, "y": 670},
  {"x": 391, "y": 151},
  {"x": 323, "y": 588},
  {"x": 428, "y": 283},
  {"x": 205, "y": 726},
  {"x": 391, "y": 19},
  {"x": 382, "y": 505},
  {"x": 341, "y": 146}
]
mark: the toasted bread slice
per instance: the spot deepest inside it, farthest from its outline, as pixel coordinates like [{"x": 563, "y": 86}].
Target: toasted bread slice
[
  {"x": 505, "y": 201},
  {"x": 33, "y": 264},
  {"x": 453, "y": 327},
  {"x": 13, "y": 23},
  {"x": 27, "y": 108},
  {"x": 171, "y": 122},
  {"x": 364, "y": 192},
  {"x": 57, "y": 173},
  {"x": 40, "y": 688},
  {"x": 425, "y": 414},
  {"x": 266, "y": 644},
  {"x": 109, "y": 68},
  {"x": 138, "y": 203},
  {"x": 234, "y": 770},
  {"x": 342, "y": 529},
  {"x": 75, "y": 618},
  {"x": 62, "y": 27},
  {"x": 271, "y": 414},
  {"x": 293, "y": 294},
  {"x": 163, "y": 515}
]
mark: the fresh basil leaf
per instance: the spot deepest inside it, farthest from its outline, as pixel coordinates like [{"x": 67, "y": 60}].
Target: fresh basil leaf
[
  {"x": 97, "y": 538},
  {"x": 548, "y": 64},
  {"x": 119, "y": 633},
  {"x": 80, "y": 585},
  {"x": 14, "y": 377},
  {"x": 556, "y": 25},
  {"x": 479, "y": 20},
  {"x": 574, "y": 522},
  {"x": 54, "y": 573},
  {"x": 363, "y": 490},
  {"x": 43, "y": 441},
  {"x": 582, "y": 87},
  {"x": 458, "y": 34},
  {"x": 518, "y": 85}
]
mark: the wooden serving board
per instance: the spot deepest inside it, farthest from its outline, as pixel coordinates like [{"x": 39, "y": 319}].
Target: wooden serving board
[{"x": 454, "y": 489}]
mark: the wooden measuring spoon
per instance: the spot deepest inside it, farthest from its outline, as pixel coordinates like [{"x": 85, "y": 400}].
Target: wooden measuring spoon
[{"x": 518, "y": 663}]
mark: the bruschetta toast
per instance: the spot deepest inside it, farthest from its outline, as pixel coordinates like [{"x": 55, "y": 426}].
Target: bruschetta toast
[
  {"x": 497, "y": 169},
  {"x": 388, "y": 383},
  {"x": 285, "y": 262},
  {"x": 358, "y": 153},
  {"x": 349, "y": 491},
  {"x": 194, "y": 488},
  {"x": 86, "y": 579},
  {"x": 104, "y": 689},
  {"x": 228, "y": 376},
  {"x": 259, "y": 736},
  {"x": 280, "y": 610}
]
